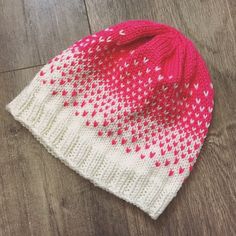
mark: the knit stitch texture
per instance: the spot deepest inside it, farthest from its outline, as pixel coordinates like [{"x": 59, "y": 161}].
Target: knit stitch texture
[{"x": 127, "y": 108}]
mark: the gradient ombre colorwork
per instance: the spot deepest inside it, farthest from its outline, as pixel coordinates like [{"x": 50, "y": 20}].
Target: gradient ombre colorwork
[{"x": 128, "y": 108}]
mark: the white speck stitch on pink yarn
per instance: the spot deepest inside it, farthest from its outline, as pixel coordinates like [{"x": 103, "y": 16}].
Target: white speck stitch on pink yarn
[{"x": 128, "y": 108}]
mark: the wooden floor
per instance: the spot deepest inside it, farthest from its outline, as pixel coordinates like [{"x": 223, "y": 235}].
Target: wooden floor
[{"x": 41, "y": 196}]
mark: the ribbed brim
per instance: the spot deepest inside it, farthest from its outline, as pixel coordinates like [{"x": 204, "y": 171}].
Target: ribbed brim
[{"x": 67, "y": 138}]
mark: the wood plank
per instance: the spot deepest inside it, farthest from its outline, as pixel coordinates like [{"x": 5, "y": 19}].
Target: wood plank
[
  {"x": 231, "y": 4},
  {"x": 31, "y": 32},
  {"x": 204, "y": 205}
]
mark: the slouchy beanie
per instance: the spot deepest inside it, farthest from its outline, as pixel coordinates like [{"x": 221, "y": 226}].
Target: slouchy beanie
[{"x": 127, "y": 108}]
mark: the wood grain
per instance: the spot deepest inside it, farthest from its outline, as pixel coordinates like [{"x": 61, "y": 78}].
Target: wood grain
[
  {"x": 41, "y": 196},
  {"x": 31, "y": 32}
]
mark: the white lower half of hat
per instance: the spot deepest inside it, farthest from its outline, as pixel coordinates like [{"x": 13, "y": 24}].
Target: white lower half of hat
[{"x": 66, "y": 137}]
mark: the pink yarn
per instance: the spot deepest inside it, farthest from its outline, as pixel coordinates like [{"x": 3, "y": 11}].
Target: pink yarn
[{"x": 148, "y": 83}]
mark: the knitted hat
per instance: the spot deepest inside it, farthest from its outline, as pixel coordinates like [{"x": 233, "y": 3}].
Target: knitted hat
[{"x": 127, "y": 108}]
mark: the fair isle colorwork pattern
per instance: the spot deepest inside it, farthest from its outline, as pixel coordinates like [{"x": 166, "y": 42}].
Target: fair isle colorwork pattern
[{"x": 127, "y": 108}]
